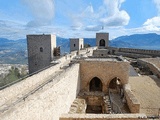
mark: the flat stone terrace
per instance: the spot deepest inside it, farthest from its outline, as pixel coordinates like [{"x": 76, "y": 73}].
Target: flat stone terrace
[{"x": 147, "y": 91}]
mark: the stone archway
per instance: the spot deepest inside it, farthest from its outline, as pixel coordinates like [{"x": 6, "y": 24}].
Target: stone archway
[
  {"x": 117, "y": 96},
  {"x": 115, "y": 85},
  {"x": 95, "y": 84},
  {"x": 102, "y": 43}
]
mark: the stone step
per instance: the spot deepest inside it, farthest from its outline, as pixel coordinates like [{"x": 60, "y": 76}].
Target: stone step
[{"x": 108, "y": 104}]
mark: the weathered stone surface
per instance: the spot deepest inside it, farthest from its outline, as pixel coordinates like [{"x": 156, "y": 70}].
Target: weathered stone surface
[
  {"x": 40, "y": 51},
  {"x": 17, "y": 90},
  {"x": 132, "y": 101},
  {"x": 76, "y": 44},
  {"x": 49, "y": 102},
  {"x": 152, "y": 63},
  {"x": 102, "y": 36},
  {"x": 105, "y": 71},
  {"x": 103, "y": 117}
]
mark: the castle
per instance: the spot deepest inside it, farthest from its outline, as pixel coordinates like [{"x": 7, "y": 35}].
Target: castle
[{"x": 99, "y": 83}]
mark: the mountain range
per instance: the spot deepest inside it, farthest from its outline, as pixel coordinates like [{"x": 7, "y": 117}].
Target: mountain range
[
  {"x": 15, "y": 51},
  {"x": 141, "y": 41}
]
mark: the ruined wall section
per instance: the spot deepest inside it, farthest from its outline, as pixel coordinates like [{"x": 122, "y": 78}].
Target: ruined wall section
[
  {"x": 49, "y": 102},
  {"x": 153, "y": 67},
  {"x": 132, "y": 101}
]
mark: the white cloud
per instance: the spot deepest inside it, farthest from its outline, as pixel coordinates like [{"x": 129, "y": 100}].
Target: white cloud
[
  {"x": 153, "y": 24},
  {"x": 2, "y": 23},
  {"x": 152, "y": 28},
  {"x": 83, "y": 18},
  {"x": 118, "y": 19},
  {"x": 114, "y": 16},
  {"x": 157, "y": 3},
  {"x": 42, "y": 10},
  {"x": 155, "y": 21},
  {"x": 108, "y": 15},
  {"x": 93, "y": 28}
]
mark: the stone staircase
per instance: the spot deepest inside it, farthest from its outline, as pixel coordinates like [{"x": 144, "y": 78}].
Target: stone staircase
[
  {"x": 107, "y": 105},
  {"x": 78, "y": 106}
]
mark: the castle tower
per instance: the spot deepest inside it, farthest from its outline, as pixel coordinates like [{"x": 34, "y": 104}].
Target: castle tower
[
  {"x": 76, "y": 44},
  {"x": 102, "y": 40},
  {"x": 40, "y": 51}
]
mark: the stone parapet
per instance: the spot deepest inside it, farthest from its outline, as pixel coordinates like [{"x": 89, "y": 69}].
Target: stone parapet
[
  {"x": 133, "y": 55},
  {"x": 132, "y": 101},
  {"x": 48, "y": 102},
  {"x": 103, "y": 117}
]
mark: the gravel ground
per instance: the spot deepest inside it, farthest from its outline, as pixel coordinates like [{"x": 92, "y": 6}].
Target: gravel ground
[{"x": 147, "y": 91}]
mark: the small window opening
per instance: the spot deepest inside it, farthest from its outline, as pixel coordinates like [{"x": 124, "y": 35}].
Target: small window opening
[
  {"x": 74, "y": 45},
  {"x": 102, "y": 42},
  {"x": 41, "y": 49}
]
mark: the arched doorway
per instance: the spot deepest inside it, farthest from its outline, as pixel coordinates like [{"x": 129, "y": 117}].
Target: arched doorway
[
  {"x": 102, "y": 43},
  {"x": 115, "y": 85},
  {"x": 95, "y": 84},
  {"x": 117, "y": 96}
]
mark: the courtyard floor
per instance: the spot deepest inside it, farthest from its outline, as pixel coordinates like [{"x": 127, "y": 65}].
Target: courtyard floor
[{"x": 147, "y": 91}]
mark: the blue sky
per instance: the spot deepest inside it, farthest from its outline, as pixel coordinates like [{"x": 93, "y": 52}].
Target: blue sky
[{"x": 78, "y": 18}]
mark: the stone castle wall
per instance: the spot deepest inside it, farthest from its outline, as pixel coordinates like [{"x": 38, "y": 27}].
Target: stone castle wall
[
  {"x": 105, "y": 37},
  {"x": 40, "y": 51},
  {"x": 132, "y": 52},
  {"x": 141, "y": 51},
  {"x": 152, "y": 66},
  {"x": 12, "y": 93},
  {"x": 76, "y": 44},
  {"x": 49, "y": 102},
  {"x": 103, "y": 117},
  {"x": 132, "y": 55},
  {"x": 105, "y": 71},
  {"x": 100, "y": 53}
]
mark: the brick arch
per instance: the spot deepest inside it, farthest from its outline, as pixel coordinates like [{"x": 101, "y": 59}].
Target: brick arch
[
  {"x": 91, "y": 78},
  {"x": 122, "y": 81},
  {"x": 109, "y": 81}
]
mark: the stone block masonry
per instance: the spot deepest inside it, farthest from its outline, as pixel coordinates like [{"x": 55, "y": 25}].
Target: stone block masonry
[
  {"x": 10, "y": 94},
  {"x": 132, "y": 101},
  {"x": 104, "y": 70},
  {"x": 103, "y": 117},
  {"x": 40, "y": 51},
  {"x": 152, "y": 63},
  {"x": 49, "y": 102}
]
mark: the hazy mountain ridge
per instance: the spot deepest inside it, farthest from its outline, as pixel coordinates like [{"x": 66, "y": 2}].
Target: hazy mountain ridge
[
  {"x": 15, "y": 51},
  {"x": 146, "y": 41}
]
